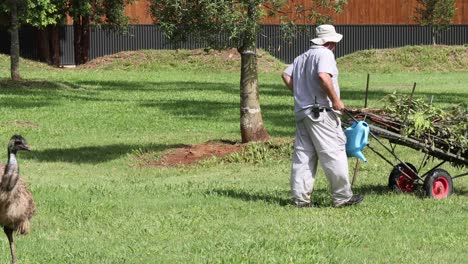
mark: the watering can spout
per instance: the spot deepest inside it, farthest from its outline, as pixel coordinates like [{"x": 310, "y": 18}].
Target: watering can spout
[
  {"x": 357, "y": 136},
  {"x": 359, "y": 155}
]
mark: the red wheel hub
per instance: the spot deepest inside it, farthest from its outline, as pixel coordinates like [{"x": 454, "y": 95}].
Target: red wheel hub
[
  {"x": 405, "y": 183},
  {"x": 440, "y": 188}
]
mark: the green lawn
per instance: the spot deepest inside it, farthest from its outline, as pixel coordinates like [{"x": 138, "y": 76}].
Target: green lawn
[{"x": 98, "y": 204}]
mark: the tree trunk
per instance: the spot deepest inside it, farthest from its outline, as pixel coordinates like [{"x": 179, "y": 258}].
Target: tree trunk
[
  {"x": 251, "y": 122},
  {"x": 434, "y": 33},
  {"x": 85, "y": 39},
  {"x": 43, "y": 45},
  {"x": 81, "y": 39},
  {"x": 77, "y": 39},
  {"x": 54, "y": 40},
  {"x": 14, "y": 45}
]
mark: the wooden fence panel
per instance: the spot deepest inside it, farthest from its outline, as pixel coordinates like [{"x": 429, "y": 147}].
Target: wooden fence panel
[
  {"x": 380, "y": 12},
  {"x": 357, "y": 12}
]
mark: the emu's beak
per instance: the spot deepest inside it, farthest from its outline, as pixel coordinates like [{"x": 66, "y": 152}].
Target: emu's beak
[{"x": 25, "y": 147}]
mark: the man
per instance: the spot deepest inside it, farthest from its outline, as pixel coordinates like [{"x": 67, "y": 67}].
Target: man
[{"x": 313, "y": 79}]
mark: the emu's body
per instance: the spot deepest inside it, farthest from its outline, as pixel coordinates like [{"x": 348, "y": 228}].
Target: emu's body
[
  {"x": 16, "y": 203},
  {"x": 16, "y": 207}
]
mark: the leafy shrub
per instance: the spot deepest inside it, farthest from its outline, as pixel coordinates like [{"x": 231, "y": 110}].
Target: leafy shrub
[{"x": 431, "y": 123}]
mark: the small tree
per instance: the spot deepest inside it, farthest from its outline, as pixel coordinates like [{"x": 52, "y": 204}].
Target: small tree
[
  {"x": 48, "y": 36},
  {"x": 438, "y": 14},
  {"x": 38, "y": 13},
  {"x": 46, "y": 14},
  {"x": 98, "y": 12},
  {"x": 209, "y": 20},
  {"x": 14, "y": 42}
]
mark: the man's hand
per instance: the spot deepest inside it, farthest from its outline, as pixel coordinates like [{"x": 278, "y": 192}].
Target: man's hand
[{"x": 338, "y": 105}]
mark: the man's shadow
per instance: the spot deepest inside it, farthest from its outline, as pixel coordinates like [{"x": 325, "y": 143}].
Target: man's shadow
[
  {"x": 249, "y": 196},
  {"x": 281, "y": 198}
]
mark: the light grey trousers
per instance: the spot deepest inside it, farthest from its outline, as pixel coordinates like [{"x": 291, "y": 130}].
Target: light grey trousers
[{"x": 320, "y": 139}]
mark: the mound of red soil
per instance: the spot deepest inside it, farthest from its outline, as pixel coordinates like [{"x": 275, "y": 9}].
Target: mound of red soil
[{"x": 194, "y": 153}]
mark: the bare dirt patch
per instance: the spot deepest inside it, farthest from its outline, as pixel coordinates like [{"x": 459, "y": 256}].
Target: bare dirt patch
[
  {"x": 192, "y": 154},
  {"x": 30, "y": 124}
]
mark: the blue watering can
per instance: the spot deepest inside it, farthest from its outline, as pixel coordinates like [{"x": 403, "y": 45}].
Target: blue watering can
[{"x": 357, "y": 135}]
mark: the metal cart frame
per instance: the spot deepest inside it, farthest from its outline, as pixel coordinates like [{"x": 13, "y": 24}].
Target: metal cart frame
[{"x": 405, "y": 177}]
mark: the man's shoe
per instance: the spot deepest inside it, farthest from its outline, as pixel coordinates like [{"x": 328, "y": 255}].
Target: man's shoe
[{"x": 355, "y": 199}]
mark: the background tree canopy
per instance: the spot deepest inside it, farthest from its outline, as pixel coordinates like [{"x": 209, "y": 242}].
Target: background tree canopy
[
  {"x": 222, "y": 23},
  {"x": 437, "y": 14}
]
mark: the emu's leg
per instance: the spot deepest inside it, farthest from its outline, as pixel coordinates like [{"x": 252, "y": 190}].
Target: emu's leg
[{"x": 9, "y": 234}]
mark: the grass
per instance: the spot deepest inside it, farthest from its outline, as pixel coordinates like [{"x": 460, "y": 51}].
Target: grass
[
  {"x": 408, "y": 59},
  {"x": 87, "y": 127}
]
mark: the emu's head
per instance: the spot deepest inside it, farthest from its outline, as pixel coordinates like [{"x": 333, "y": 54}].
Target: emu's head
[{"x": 17, "y": 142}]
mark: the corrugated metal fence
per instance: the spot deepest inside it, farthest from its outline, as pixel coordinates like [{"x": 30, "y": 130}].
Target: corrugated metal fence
[
  {"x": 356, "y": 37},
  {"x": 360, "y": 37},
  {"x": 27, "y": 36}
]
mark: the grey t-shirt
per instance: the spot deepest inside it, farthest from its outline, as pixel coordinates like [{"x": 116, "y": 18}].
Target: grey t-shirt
[{"x": 306, "y": 84}]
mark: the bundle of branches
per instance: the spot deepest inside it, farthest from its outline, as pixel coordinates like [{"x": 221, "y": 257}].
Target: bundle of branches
[{"x": 446, "y": 129}]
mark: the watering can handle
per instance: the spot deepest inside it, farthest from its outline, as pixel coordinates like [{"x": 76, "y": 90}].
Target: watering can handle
[{"x": 350, "y": 115}]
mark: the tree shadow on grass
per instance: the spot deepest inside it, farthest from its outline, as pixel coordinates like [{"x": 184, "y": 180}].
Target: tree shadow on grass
[
  {"x": 371, "y": 189},
  {"x": 320, "y": 196},
  {"x": 23, "y": 103},
  {"x": 249, "y": 196},
  {"x": 36, "y": 84},
  {"x": 459, "y": 191},
  {"x": 164, "y": 87},
  {"x": 281, "y": 116},
  {"x": 384, "y": 190},
  {"x": 350, "y": 94},
  {"x": 374, "y": 97},
  {"x": 197, "y": 110},
  {"x": 93, "y": 154}
]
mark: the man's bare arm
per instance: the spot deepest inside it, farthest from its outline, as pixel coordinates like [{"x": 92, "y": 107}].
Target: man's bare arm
[
  {"x": 327, "y": 86},
  {"x": 288, "y": 81}
]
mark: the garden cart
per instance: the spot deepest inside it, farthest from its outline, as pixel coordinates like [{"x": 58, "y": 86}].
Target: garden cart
[{"x": 405, "y": 177}]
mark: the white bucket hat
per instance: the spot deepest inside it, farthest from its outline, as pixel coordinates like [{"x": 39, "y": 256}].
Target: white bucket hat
[{"x": 326, "y": 33}]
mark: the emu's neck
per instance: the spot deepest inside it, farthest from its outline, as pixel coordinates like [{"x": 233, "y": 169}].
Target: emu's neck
[{"x": 11, "y": 173}]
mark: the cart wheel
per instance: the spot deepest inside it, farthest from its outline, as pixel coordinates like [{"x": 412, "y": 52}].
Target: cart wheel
[
  {"x": 438, "y": 184},
  {"x": 399, "y": 182}
]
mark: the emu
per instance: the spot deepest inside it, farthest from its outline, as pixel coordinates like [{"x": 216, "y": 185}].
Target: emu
[{"x": 16, "y": 203}]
